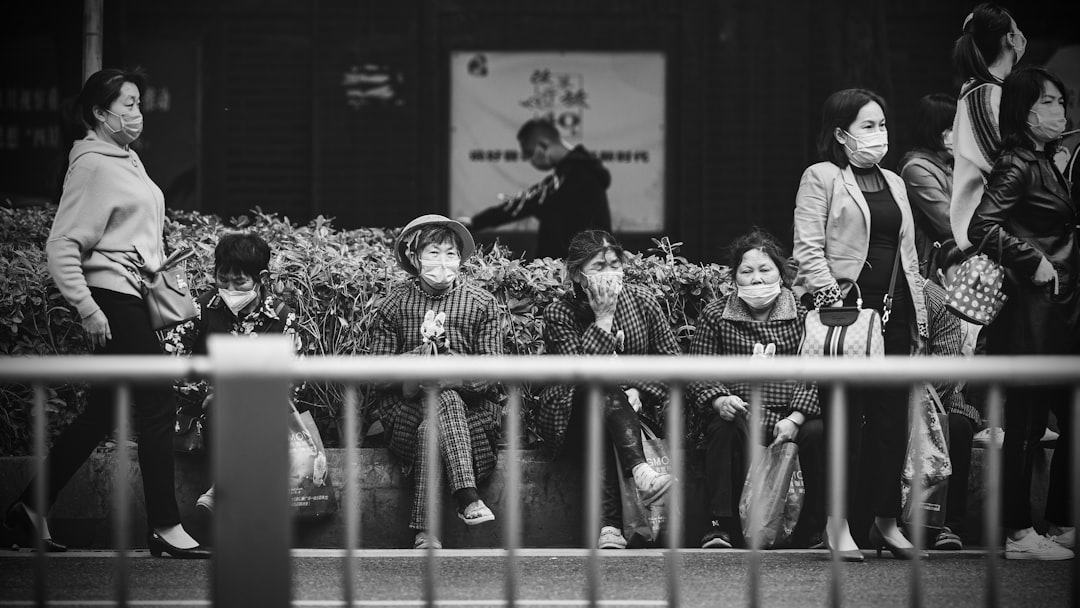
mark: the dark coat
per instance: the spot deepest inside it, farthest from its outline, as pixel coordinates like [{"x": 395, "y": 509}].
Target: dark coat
[{"x": 1028, "y": 198}]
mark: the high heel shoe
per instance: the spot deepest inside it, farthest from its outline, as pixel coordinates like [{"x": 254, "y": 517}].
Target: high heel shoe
[
  {"x": 849, "y": 555},
  {"x": 879, "y": 542},
  {"x": 159, "y": 545},
  {"x": 22, "y": 532}
]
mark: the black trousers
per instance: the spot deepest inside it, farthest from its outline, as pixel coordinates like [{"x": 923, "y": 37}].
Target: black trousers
[
  {"x": 726, "y": 468},
  {"x": 961, "y": 433},
  {"x": 154, "y": 415},
  {"x": 623, "y": 430},
  {"x": 1026, "y": 413}
]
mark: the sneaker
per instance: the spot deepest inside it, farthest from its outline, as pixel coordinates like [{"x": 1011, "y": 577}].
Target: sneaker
[
  {"x": 1049, "y": 436},
  {"x": 1035, "y": 546},
  {"x": 206, "y": 501},
  {"x": 947, "y": 540},
  {"x": 651, "y": 485},
  {"x": 426, "y": 540},
  {"x": 611, "y": 538},
  {"x": 716, "y": 538},
  {"x": 1066, "y": 539}
]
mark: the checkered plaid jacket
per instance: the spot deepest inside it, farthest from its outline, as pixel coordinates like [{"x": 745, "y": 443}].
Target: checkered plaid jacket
[
  {"x": 946, "y": 340},
  {"x": 725, "y": 327},
  {"x": 640, "y": 328}
]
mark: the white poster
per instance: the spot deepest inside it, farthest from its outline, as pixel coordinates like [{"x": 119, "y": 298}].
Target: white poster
[{"x": 612, "y": 103}]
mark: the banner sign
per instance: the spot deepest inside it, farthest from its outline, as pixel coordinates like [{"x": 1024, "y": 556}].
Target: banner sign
[{"x": 612, "y": 103}]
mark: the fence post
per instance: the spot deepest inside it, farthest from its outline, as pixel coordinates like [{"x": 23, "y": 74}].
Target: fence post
[{"x": 250, "y": 464}]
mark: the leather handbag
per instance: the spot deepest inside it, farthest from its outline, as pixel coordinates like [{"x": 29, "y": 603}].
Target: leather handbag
[
  {"x": 188, "y": 435},
  {"x": 166, "y": 291},
  {"x": 844, "y": 331},
  {"x": 975, "y": 293}
]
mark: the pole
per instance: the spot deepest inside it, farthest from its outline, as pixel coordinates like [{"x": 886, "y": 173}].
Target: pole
[{"x": 92, "y": 36}]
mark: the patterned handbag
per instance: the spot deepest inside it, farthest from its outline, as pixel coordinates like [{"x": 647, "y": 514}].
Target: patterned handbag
[
  {"x": 844, "y": 331},
  {"x": 975, "y": 294}
]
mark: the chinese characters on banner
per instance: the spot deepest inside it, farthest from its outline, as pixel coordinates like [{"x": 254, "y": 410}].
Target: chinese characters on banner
[{"x": 613, "y": 103}]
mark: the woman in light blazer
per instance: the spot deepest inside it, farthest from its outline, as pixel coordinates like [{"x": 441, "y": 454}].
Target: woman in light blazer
[{"x": 853, "y": 225}]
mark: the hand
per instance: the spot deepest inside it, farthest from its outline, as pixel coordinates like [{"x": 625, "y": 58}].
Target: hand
[
  {"x": 1044, "y": 274},
  {"x": 633, "y": 395},
  {"x": 729, "y": 406},
  {"x": 97, "y": 329},
  {"x": 603, "y": 298},
  {"x": 836, "y": 304},
  {"x": 209, "y": 399},
  {"x": 785, "y": 430}
]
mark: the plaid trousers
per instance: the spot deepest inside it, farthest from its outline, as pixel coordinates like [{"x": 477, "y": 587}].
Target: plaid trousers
[{"x": 467, "y": 437}]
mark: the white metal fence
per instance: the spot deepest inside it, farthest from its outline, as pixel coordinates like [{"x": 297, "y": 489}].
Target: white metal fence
[{"x": 249, "y": 453}]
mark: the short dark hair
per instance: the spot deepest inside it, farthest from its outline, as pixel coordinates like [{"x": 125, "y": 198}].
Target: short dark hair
[
  {"x": 948, "y": 254},
  {"x": 763, "y": 241},
  {"x": 103, "y": 87},
  {"x": 980, "y": 43},
  {"x": 1021, "y": 89},
  {"x": 586, "y": 244},
  {"x": 933, "y": 114},
  {"x": 839, "y": 111},
  {"x": 433, "y": 234},
  {"x": 243, "y": 252},
  {"x": 538, "y": 128}
]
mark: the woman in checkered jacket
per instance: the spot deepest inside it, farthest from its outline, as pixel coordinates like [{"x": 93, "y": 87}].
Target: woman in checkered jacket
[
  {"x": 762, "y": 316},
  {"x": 602, "y": 316},
  {"x": 435, "y": 313}
]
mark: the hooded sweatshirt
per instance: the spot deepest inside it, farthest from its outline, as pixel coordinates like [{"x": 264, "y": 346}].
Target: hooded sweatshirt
[
  {"x": 571, "y": 199},
  {"x": 108, "y": 204}
]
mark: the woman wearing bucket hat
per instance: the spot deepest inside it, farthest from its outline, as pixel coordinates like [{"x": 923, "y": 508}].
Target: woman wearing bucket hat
[{"x": 436, "y": 313}]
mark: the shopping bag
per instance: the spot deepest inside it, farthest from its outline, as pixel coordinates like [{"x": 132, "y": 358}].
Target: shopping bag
[
  {"x": 935, "y": 467},
  {"x": 775, "y": 482},
  {"x": 310, "y": 488},
  {"x": 644, "y": 525}
]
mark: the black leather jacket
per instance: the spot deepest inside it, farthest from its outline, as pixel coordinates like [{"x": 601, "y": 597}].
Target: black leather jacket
[{"x": 1029, "y": 199}]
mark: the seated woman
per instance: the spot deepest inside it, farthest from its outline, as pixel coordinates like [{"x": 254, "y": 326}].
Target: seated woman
[
  {"x": 762, "y": 310},
  {"x": 436, "y": 312},
  {"x": 603, "y": 316}
]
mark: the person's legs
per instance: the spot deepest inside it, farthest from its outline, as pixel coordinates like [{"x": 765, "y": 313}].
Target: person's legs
[
  {"x": 1024, "y": 413},
  {"x": 961, "y": 432},
  {"x": 725, "y": 469},
  {"x": 812, "y": 463},
  {"x": 838, "y": 532},
  {"x": 1059, "y": 493}
]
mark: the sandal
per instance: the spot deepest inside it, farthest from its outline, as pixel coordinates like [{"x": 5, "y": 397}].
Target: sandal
[
  {"x": 476, "y": 512},
  {"x": 426, "y": 540}
]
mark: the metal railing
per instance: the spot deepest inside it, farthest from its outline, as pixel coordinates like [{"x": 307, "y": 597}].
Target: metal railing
[{"x": 253, "y": 376}]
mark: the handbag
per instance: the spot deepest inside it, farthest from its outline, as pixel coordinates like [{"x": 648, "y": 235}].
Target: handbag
[
  {"x": 934, "y": 464},
  {"x": 643, "y": 525},
  {"x": 188, "y": 434},
  {"x": 774, "y": 481},
  {"x": 166, "y": 291},
  {"x": 975, "y": 294}
]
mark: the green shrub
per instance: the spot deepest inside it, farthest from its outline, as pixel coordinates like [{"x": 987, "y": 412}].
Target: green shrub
[{"x": 333, "y": 278}]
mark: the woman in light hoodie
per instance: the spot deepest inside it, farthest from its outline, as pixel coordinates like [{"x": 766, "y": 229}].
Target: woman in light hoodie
[{"x": 110, "y": 217}]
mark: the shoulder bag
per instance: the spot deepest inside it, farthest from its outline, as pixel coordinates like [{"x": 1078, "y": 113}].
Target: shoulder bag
[
  {"x": 975, "y": 294},
  {"x": 166, "y": 291}
]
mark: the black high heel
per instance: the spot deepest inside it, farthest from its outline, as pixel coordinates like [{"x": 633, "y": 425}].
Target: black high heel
[
  {"x": 879, "y": 542},
  {"x": 22, "y": 532},
  {"x": 159, "y": 545}
]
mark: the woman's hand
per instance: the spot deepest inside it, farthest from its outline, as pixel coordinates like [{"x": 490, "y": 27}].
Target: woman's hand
[
  {"x": 785, "y": 429},
  {"x": 603, "y": 297},
  {"x": 836, "y": 304},
  {"x": 1044, "y": 274},
  {"x": 729, "y": 406},
  {"x": 97, "y": 329}
]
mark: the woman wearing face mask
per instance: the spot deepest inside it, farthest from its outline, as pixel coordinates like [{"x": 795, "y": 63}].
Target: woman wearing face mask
[
  {"x": 853, "y": 225},
  {"x": 761, "y": 311},
  {"x": 437, "y": 313},
  {"x": 985, "y": 53},
  {"x": 110, "y": 212},
  {"x": 927, "y": 172},
  {"x": 602, "y": 315},
  {"x": 1026, "y": 202}
]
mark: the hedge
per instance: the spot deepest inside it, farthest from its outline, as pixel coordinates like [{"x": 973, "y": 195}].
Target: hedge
[{"x": 333, "y": 278}]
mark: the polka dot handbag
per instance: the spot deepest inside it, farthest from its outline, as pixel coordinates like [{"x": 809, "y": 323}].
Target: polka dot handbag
[{"x": 975, "y": 293}]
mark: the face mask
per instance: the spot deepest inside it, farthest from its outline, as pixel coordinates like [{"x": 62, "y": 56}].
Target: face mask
[
  {"x": 237, "y": 300},
  {"x": 439, "y": 275},
  {"x": 1020, "y": 46},
  {"x": 613, "y": 279},
  {"x": 947, "y": 140},
  {"x": 759, "y": 296},
  {"x": 130, "y": 128},
  {"x": 1049, "y": 124},
  {"x": 869, "y": 148}
]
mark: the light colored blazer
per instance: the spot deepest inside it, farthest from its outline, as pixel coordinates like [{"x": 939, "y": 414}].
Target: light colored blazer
[{"x": 832, "y": 234}]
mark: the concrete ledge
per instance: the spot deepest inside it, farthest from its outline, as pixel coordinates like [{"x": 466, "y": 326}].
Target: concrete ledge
[{"x": 552, "y": 500}]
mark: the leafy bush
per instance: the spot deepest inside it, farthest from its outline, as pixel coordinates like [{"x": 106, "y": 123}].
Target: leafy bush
[{"x": 333, "y": 278}]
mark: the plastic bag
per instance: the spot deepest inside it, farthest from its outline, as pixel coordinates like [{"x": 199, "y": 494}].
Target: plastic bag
[
  {"x": 644, "y": 525},
  {"x": 311, "y": 491},
  {"x": 780, "y": 491},
  {"x": 936, "y": 467}
]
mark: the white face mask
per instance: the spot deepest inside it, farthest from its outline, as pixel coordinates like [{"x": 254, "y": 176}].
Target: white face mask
[
  {"x": 759, "y": 296},
  {"x": 611, "y": 278},
  {"x": 1049, "y": 124},
  {"x": 130, "y": 128},
  {"x": 869, "y": 149},
  {"x": 237, "y": 300},
  {"x": 439, "y": 274}
]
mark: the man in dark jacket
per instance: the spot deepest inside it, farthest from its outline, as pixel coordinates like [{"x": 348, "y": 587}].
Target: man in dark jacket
[{"x": 572, "y": 198}]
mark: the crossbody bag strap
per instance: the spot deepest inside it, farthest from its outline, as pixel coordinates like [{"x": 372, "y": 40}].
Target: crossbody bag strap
[
  {"x": 135, "y": 275},
  {"x": 888, "y": 299}
]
